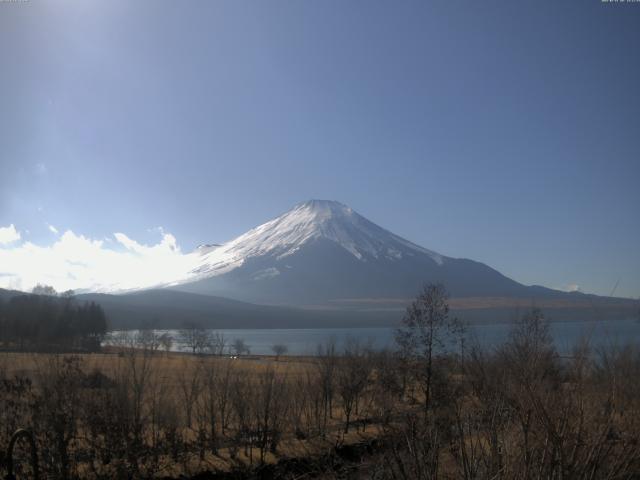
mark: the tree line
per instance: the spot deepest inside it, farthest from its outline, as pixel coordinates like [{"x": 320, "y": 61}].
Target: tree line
[{"x": 45, "y": 320}]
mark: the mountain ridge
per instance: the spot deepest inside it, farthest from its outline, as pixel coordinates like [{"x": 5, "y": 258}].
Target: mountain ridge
[
  {"x": 161, "y": 308},
  {"x": 323, "y": 250},
  {"x": 306, "y": 222},
  {"x": 323, "y": 264}
]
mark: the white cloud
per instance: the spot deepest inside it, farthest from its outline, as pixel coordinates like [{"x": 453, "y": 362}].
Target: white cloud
[
  {"x": 9, "y": 235},
  {"x": 76, "y": 262},
  {"x": 52, "y": 229}
]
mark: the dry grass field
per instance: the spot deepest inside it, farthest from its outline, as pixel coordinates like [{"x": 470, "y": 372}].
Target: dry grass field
[
  {"x": 171, "y": 391},
  {"x": 520, "y": 411},
  {"x": 173, "y": 365}
]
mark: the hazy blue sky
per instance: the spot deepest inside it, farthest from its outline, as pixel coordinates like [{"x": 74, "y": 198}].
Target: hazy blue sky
[{"x": 507, "y": 132}]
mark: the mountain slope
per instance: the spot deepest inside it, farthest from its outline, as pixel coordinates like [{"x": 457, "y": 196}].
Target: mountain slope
[
  {"x": 172, "y": 309},
  {"x": 304, "y": 224},
  {"x": 322, "y": 251},
  {"x": 343, "y": 270}
]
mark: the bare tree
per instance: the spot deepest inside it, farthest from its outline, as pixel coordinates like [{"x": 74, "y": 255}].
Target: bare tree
[
  {"x": 327, "y": 360},
  {"x": 166, "y": 341},
  {"x": 353, "y": 374},
  {"x": 217, "y": 343},
  {"x": 122, "y": 340},
  {"x": 305, "y": 394},
  {"x": 190, "y": 385},
  {"x": 195, "y": 337},
  {"x": 279, "y": 349},
  {"x": 136, "y": 376},
  {"x": 423, "y": 335},
  {"x": 223, "y": 393},
  {"x": 148, "y": 339},
  {"x": 269, "y": 408},
  {"x": 240, "y": 347},
  {"x": 243, "y": 401},
  {"x": 208, "y": 412},
  {"x": 59, "y": 408},
  {"x": 388, "y": 386}
]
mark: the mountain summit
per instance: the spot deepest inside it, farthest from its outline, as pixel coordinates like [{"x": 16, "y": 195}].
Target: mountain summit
[
  {"x": 304, "y": 224},
  {"x": 323, "y": 252}
]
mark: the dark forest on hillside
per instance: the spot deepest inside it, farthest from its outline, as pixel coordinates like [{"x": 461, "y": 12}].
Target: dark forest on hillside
[{"x": 47, "y": 322}]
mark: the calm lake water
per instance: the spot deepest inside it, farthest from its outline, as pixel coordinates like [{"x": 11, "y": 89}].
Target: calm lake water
[{"x": 305, "y": 341}]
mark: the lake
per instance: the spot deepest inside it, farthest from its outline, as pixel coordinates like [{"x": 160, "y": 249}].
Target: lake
[{"x": 305, "y": 341}]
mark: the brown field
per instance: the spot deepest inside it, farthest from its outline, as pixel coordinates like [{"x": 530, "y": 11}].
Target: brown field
[
  {"x": 169, "y": 375},
  {"x": 173, "y": 365},
  {"x": 519, "y": 412}
]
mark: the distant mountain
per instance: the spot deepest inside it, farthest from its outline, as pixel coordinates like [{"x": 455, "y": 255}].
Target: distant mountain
[
  {"x": 172, "y": 309},
  {"x": 323, "y": 264},
  {"x": 323, "y": 252}
]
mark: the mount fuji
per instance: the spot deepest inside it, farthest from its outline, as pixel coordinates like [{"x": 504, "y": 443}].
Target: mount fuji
[
  {"x": 321, "y": 264},
  {"x": 324, "y": 253}
]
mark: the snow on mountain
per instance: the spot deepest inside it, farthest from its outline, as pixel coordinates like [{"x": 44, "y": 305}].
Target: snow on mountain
[
  {"x": 323, "y": 253},
  {"x": 319, "y": 253},
  {"x": 306, "y": 222}
]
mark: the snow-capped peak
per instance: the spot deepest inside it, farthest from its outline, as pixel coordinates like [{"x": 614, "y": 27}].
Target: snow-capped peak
[
  {"x": 304, "y": 223},
  {"x": 321, "y": 209}
]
